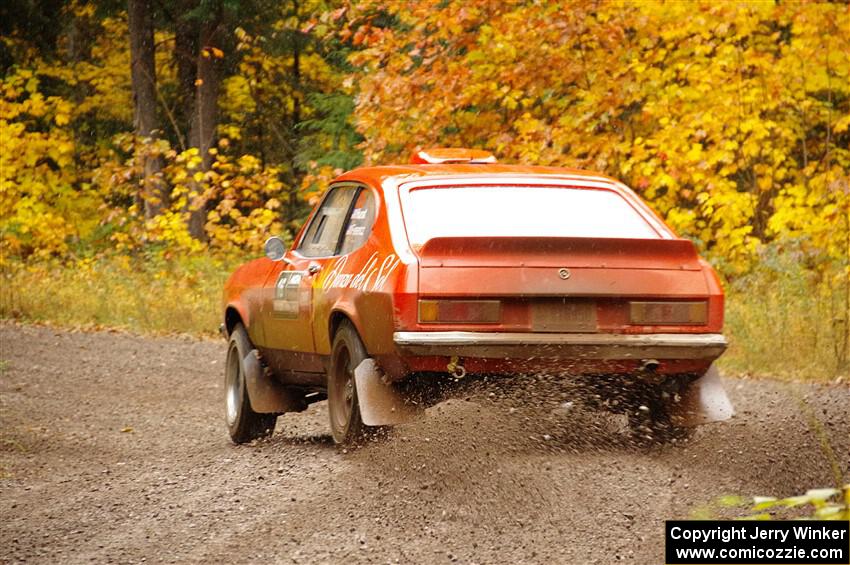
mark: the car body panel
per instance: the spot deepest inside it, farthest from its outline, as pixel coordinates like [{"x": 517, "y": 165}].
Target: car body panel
[{"x": 243, "y": 294}]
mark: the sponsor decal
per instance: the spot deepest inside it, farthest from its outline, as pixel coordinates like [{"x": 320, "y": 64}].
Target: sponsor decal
[{"x": 371, "y": 277}]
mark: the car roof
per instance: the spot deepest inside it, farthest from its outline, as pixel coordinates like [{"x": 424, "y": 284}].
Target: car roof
[{"x": 378, "y": 175}]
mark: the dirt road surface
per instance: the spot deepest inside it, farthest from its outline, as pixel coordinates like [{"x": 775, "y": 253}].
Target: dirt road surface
[{"x": 114, "y": 449}]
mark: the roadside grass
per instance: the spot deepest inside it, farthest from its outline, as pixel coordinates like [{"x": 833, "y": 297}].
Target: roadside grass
[
  {"x": 789, "y": 322},
  {"x": 145, "y": 295},
  {"x": 782, "y": 320}
]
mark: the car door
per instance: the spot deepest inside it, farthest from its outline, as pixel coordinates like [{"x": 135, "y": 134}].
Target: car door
[
  {"x": 288, "y": 310},
  {"x": 354, "y": 266}
]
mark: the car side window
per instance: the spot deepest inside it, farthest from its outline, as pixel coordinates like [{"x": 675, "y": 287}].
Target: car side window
[
  {"x": 322, "y": 235},
  {"x": 360, "y": 222}
]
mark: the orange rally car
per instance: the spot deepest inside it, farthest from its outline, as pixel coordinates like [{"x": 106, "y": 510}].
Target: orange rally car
[{"x": 408, "y": 279}]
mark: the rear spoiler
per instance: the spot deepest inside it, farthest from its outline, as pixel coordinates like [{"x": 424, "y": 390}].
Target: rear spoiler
[{"x": 588, "y": 252}]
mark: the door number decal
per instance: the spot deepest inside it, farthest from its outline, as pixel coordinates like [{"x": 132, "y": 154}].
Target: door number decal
[{"x": 286, "y": 292}]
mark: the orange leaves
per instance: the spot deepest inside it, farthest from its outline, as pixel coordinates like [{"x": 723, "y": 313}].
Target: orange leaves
[
  {"x": 210, "y": 52},
  {"x": 468, "y": 73},
  {"x": 709, "y": 110}
]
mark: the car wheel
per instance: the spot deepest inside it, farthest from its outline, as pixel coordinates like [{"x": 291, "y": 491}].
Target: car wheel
[
  {"x": 243, "y": 423},
  {"x": 347, "y": 353}
]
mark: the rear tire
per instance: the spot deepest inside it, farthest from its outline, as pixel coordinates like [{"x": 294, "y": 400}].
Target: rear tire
[
  {"x": 243, "y": 423},
  {"x": 347, "y": 353}
]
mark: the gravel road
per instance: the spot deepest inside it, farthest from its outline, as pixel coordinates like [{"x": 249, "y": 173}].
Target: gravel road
[{"x": 113, "y": 449}]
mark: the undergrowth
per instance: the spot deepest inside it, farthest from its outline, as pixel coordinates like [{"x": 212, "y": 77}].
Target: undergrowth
[
  {"x": 142, "y": 294},
  {"x": 786, "y": 320},
  {"x": 782, "y": 320}
]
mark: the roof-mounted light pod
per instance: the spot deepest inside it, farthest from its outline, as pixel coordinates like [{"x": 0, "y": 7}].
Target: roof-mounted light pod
[{"x": 444, "y": 155}]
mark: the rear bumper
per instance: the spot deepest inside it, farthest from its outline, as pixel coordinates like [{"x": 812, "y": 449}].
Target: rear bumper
[{"x": 497, "y": 345}]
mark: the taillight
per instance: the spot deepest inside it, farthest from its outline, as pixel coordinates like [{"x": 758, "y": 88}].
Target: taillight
[
  {"x": 460, "y": 311},
  {"x": 668, "y": 313}
]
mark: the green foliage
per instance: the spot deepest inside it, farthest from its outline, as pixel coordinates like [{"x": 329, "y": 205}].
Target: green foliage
[{"x": 329, "y": 138}]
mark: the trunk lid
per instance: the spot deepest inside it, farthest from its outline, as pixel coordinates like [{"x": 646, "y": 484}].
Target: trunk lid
[{"x": 560, "y": 266}]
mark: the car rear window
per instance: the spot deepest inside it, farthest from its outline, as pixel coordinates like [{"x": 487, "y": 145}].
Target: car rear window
[
  {"x": 520, "y": 211},
  {"x": 359, "y": 222}
]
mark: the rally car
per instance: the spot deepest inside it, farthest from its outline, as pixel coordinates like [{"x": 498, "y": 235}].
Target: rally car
[{"x": 455, "y": 266}]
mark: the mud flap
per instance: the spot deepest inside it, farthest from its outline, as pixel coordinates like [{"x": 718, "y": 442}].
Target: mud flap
[
  {"x": 381, "y": 404},
  {"x": 266, "y": 395},
  {"x": 704, "y": 401}
]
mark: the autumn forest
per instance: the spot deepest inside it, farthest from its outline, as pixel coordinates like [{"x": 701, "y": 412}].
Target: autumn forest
[{"x": 147, "y": 147}]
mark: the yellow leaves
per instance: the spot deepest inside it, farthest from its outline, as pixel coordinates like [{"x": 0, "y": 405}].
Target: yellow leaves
[
  {"x": 243, "y": 196},
  {"x": 32, "y": 84},
  {"x": 665, "y": 180},
  {"x": 237, "y": 98},
  {"x": 40, "y": 210},
  {"x": 191, "y": 157},
  {"x": 249, "y": 164},
  {"x": 716, "y": 119},
  {"x": 36, "y": 106},
  {"x": 528, "y": 127},
  {"x": 751, "y": 147},
  {"x": 102, "y": 76},
  {"x": 83, "y": 9},
  {"x": 170, "y": 228},
  {"x": 694, "y": 153},
  {"x": 62, "y": 110}
]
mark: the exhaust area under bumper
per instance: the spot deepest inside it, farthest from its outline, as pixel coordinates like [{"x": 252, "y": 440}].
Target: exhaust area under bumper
[{"x": 704, "y": 401}]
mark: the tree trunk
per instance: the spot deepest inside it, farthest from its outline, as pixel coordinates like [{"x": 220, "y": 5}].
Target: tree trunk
[
  {"x": 143, "y": 76},
  {"x": 202, "y": 128},
  {"x": 185, "y": 58}
]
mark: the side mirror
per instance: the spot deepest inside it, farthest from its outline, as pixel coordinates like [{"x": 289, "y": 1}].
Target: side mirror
[{"x": 275, "y": 248}]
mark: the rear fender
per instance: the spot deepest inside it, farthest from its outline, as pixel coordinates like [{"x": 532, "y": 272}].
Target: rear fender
[{"x": 375, "y": 327}]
